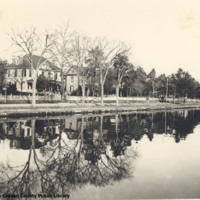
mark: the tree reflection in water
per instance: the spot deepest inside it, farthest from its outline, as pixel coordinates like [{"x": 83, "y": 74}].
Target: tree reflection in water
[
  {"x": 69, "y": 152},
  {"x": 66, "y": 164}
]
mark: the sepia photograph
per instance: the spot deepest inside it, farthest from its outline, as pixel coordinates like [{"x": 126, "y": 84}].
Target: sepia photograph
[{"x": 99, "y": 99}]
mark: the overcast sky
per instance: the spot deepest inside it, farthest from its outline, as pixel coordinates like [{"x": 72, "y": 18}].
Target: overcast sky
[{"x": 164, "y": 34}]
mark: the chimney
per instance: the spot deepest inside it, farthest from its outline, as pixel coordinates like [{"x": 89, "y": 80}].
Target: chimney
[
  {"x": 20, "y": 60},
  {"x": 14, "y": 60},
  {"x": 17, "y": 60}
]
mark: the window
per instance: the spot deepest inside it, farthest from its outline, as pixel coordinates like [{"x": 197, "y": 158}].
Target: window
[
  {"x": 8, "y": 73},
  {"x": 24, "y": 73},
  {"x": 28, "y": 132},
  {"x": 70, "y": 125},
  {"x": 71, "y": 88},
  {"x": 15, "y": 72},
  {"x": 30, "y": 86},
  {"x": 30, "y": 72}
]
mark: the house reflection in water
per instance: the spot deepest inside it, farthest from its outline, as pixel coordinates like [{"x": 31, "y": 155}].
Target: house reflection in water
[
  {"x": 116, "y": 131},
  {"x": 19, "y": 133},
  {"x": 97, "y": 134}
]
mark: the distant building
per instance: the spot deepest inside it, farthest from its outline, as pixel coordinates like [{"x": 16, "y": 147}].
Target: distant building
[
  {"x": 21, "y": 74},
  {"x": 71, "y": 81}
]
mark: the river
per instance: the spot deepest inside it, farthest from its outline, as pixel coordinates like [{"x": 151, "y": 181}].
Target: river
[{"x": 108, "y": 156}]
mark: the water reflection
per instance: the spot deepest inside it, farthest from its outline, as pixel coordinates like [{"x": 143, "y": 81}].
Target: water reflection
[
  {"x": 62, "y": 154},
  {"x": 71, "y": 153}
]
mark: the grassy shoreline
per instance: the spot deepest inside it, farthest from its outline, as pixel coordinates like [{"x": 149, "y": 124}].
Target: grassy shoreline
[{"x": 23, "y": 110}]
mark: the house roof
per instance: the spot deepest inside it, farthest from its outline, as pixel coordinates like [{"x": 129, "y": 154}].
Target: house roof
[
  {"x": 69, "y": 72},
  {"x": 36, "y": 60},
  {"x": 74, "y": 69}
]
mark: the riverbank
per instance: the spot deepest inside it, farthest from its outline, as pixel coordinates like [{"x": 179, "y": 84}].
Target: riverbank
[{"x": 48, "y": 109}]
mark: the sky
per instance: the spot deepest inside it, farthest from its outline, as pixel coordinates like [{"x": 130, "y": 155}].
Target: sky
[{"x": 163, "y": 34}]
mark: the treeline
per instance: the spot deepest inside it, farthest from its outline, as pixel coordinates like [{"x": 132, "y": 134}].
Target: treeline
[
  {"x": 102, "y": 66},
  {"x": 139, "y": 83}
]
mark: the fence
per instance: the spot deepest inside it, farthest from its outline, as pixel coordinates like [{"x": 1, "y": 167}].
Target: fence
[
  {"x": 57, "y": 97},
  {"x": 28, "y": 98}
]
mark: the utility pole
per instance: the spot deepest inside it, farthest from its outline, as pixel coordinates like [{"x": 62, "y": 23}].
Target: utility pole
[
  {"x": 5, "y": 88},
  {"x": 5, "y": 94},
  {"x": 166, "y": 90}
]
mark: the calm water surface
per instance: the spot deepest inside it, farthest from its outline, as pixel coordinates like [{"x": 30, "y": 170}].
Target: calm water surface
[{"x": 113, "y": 156}]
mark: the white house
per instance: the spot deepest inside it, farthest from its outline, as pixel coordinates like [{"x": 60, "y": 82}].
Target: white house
[{"x": 20, "y": 72}]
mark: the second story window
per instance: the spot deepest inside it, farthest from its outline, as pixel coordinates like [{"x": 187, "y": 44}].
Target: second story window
[
  {"x": 24, "y": 72},
  {"x": 15, "y": 72},
  {"x": 8, "y": 73},
  {"x": 72, "y": 79}
]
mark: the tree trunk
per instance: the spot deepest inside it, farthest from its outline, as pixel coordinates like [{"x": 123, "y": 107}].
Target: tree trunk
[
  {"x": 33, "y": 132},
  {"x": 81, "y": 136},
  {"x": 83, "y": 92},
  {"x": 93, "y": 92},
  {"x": 102, "y": 85},
  {"x": 117, "y": 95},
  {"x": 65, "y": 89},
  {"x": 116, "y": 125},
  {"x": 101, "y": 130},
  {"x": 6, "y": 94},
  {"x": 34, "y": 87},
  {"x": 130, "y": 92},
  {"x": 62, "y": 87},
  {"x": 88, "y": 92},
  {"x": 102, "y": 94},
  {"x": 185, "y": 97},
  {"x": 60, "y": 134},
  {"x": 149, "y": 97},
  {"x": 153, "y": 90}
]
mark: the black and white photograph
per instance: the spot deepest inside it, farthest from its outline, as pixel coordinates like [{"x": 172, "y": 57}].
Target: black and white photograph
[{"x": 99, "y": 99}]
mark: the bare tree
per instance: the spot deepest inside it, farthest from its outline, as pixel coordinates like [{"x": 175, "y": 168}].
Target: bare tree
[
  {"x": 30, "y": 43},
  {"x": 3, "y": 65},
  {"x": 102, "y": 57},
  {"x": 80, "y": 48},
  {"x": 61, "y": 53}
]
